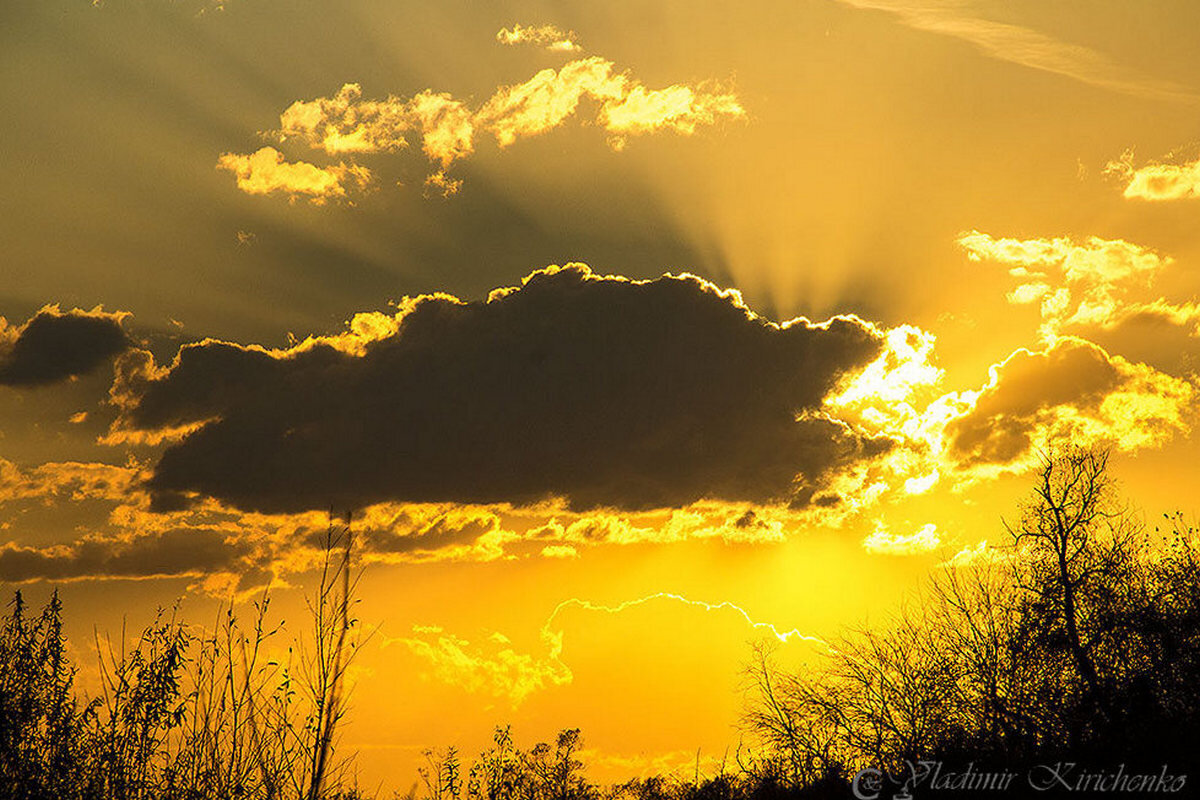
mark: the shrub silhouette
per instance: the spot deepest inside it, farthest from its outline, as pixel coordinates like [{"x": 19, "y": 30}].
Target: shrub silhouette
[{"x": 43, "y": 735}]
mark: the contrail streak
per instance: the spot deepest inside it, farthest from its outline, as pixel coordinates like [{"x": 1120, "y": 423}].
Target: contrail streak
[{"x": 555, "y": 638}]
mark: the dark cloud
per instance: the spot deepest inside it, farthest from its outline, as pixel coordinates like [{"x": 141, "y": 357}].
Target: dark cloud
[
  {"x": 1073, "y": 389},
  {"x": 1157, "y": 335},
  {"x": 53, "y": 346},
  {"x": 183, "y": 551},
  {"x": 1026, "y": 387},
  {"x": 604, "y": 391}
]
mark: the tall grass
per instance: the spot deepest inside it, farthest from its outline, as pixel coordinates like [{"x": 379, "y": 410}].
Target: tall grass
[{"x": 179, "y": 713}]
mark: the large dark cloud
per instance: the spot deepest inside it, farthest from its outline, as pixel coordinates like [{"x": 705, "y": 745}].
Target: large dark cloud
[
  {"x": 600, "y": 390},
  {"x": 53, "y": 346}
]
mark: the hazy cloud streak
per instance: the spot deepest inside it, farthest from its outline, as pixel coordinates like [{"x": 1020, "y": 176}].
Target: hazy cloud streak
[{"x": 1027, "y": 47}]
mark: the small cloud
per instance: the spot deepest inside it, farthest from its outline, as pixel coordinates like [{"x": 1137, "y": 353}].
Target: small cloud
[
  {"x": 54, "y": 346},
  {"x": 438, "y": 183},
  {"x": 1157, "y": 181},
  {"x": 922, "y": 483},
  {"x": 560, "y": 551},
  {"x": 883, "y": 542},
  {"x": 245, "y": 238},
  {"x": 1072, "y": 390},
  {"x": 492, "y": 667},
  {"x": 546, "y": 36},
  {"x": 973, "y": 556},
  {"x": 78, "y": 417},
  {"x": 266, "y": 172}
]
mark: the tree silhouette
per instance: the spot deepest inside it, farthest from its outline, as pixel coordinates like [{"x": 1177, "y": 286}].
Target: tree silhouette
[{"x": 1080, "y": 639}]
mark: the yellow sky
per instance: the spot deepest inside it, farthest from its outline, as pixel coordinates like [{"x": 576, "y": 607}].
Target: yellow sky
[{"x": 248, "y": 246}]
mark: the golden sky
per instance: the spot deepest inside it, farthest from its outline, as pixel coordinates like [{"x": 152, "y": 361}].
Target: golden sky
[{"x": 631, "y": 332}]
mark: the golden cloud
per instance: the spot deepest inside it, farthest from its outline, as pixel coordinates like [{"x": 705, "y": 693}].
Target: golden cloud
[
  {"x": 1096, "y": 260},
  {"x": 548, "y": 98},
  {"x": 346, "y": 123},
  {"x": 731, "y": 523},
  {"x": 491, "y": 666},
  {"x": 68, "y": 480},
  {"x": 546, "y": 36},
  {"x": 266, "y": 172},
  {"x": 1073, "y": 390},
  {"x": 1157, "y": 181},
  {"x": 883, "y": 542},
  {"x": 897, "y": 398},
  {"x": 1076, "y": 283}
]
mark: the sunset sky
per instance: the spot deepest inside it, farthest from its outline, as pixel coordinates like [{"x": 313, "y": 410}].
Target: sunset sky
[{"x": 631, "y": 333}]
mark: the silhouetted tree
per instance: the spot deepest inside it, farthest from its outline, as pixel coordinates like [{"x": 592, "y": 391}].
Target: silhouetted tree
[{"x": 1080, "y": 639}]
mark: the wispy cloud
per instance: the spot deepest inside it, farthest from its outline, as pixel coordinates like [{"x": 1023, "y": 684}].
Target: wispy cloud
[
  {"x": 489, "y": 666},
  {"x": 1027, "y": 47},
  {"x": 725, "y": 606},
  {"x": 547, "y": 36}
]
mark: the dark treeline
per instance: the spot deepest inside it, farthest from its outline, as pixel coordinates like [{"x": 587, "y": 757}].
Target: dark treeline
[{"x": 1076, "y": 643}]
